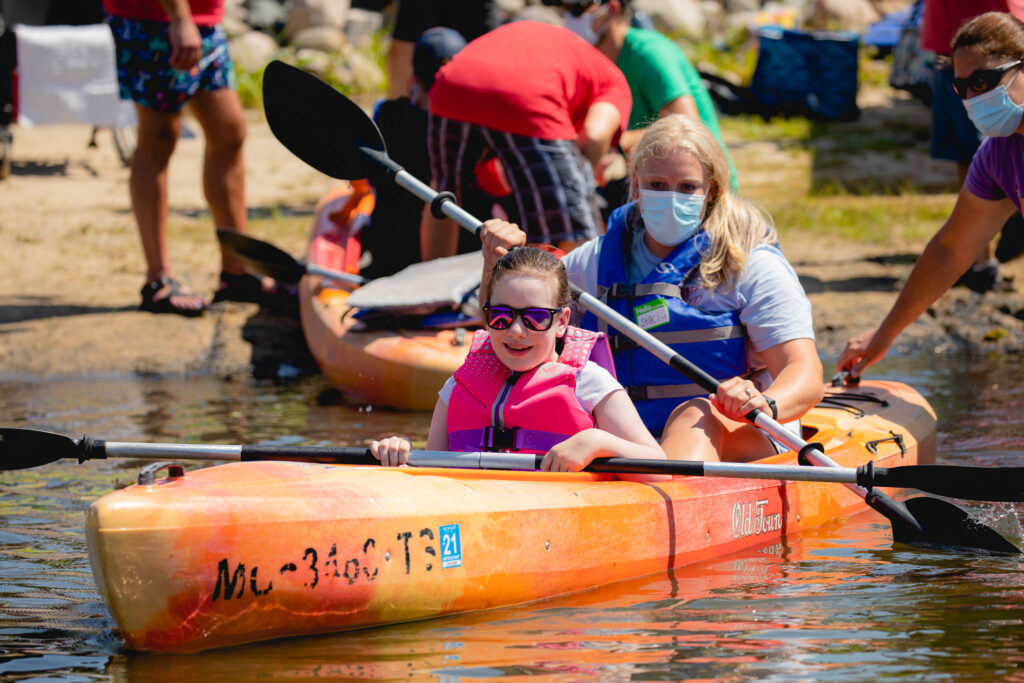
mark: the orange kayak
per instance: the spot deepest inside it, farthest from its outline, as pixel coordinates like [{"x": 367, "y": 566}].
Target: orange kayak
[
  {"x": 258, "y": 550},
  {"x": 401, "y": 369}
]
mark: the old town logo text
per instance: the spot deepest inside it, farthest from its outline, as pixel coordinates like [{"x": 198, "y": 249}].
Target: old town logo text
[{"x": 751, "y": 519}]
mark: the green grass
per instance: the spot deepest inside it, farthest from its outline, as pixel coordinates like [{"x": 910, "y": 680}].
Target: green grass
[
  {"x": 250, "y": 83},
  {"x": 791, "y": 132},
  {"x": 904, "y": 220}
]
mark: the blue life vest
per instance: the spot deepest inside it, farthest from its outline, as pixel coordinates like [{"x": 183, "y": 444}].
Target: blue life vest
[{"x": 714, "y": 342}]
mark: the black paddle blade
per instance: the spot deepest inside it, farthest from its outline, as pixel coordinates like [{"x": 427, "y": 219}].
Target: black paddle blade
[
  {"x": 946, "y": 525},
  {"x": 320, "y": 125},
  {"x": 956, "y": 481},
  {"x": 262, "y": 257},
  {"x": 21, "y": 449}
]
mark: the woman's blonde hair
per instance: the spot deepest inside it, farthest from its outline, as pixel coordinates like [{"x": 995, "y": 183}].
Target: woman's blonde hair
[{"x": 734, "y": 225}]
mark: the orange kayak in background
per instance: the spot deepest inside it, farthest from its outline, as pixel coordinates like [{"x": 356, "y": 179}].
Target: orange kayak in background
[
  {"x": 252, "y": 551},
  {"x": 402, "y": 369}
]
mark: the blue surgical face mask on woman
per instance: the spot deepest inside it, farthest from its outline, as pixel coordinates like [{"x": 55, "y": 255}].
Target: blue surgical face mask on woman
[
  {"x": 671, "y": 218},
  {"x": 583, "y": 25},
  {"x": 994, "y": 113}
]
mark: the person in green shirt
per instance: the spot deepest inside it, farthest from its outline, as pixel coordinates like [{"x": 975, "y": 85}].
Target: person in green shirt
[{"x": 661, "y": 78}]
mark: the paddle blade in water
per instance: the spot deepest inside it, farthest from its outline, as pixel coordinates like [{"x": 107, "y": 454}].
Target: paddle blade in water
[
  {"x": 262, "y": 258},
  {"x": 946, "y": 525},
  {"x": 319, "y": 124},
  {"x": 24, "y": 448}
]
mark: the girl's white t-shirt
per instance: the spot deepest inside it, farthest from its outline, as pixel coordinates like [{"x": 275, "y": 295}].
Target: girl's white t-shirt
[{"x": 593, "y": 384}]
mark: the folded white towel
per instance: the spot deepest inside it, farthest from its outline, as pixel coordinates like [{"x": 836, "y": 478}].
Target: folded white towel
[{"x": 67, "y": 74}]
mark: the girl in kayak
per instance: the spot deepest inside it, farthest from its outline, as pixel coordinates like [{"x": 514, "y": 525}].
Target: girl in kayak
[
  {"x": 700, "y": 269},
  {"x": 532, "y": 383}
]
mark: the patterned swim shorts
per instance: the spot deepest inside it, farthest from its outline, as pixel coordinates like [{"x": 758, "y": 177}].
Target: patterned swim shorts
[{"x": 143, "y": 69}]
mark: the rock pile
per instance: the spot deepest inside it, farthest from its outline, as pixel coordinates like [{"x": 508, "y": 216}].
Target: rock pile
[{"x": 344, "y": 39}]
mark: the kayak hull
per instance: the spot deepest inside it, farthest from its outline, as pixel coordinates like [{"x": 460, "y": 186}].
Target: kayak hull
[
  {"x": 252, "y": 551},
  {"x": 402, "y": 369}
]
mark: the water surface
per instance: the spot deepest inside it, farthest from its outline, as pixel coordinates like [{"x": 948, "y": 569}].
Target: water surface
[{"x": 838, "y": 603}]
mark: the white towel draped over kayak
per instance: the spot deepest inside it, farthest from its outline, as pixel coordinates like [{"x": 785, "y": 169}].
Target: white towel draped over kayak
[
  {"x": 67, "y": 74},
  {"x": 423, "y": 288}
]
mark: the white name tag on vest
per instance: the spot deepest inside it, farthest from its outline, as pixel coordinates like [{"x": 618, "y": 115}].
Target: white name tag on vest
[{"x": 651, "y": 314}]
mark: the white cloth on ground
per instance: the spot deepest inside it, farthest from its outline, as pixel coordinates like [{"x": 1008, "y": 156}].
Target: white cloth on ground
[{"x": 68, "y": 74}]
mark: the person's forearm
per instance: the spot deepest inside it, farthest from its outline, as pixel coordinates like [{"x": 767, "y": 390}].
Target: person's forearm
[
  {"x": 935, "y": 272},
  {"x": 630, "y": 138},
  {"x": 599, "y": 128},
  {"x": 797, "y": 389}
]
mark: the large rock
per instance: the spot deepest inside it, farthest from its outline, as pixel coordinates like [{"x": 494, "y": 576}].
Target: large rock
[
  {"x": 541, "y": 13},
  {"x": 307, "y": 14},
  {"x": 252, "y": 50},
  {"x": 848, "y": 15},
  {"x": 675, "y": 17},
  {"x": 366, "y": 74},
  {"x": 362, "y": 25},
  {"x": 266, "y": 14},
  {"x": 319, "y": 38}
]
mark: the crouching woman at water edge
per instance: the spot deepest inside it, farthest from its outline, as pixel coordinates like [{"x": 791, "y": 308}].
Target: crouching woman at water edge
[
  {"x": 700, "y": 269},
  {"x": 988, "y": 56},
  {"x": 532, "y": 383}
]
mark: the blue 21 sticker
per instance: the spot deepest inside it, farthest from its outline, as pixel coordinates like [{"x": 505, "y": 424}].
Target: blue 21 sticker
[{"x": 451, "y": 546}]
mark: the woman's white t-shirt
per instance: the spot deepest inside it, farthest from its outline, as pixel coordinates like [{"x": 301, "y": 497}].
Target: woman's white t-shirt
[{"x": 771, "y": 303}]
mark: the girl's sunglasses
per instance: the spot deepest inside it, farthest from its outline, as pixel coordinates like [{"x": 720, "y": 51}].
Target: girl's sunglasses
[
  {"x": 982, "y": 80},
  {"x": 535, "y": 318}
]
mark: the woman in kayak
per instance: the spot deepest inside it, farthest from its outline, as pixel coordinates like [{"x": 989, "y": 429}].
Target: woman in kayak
[
  {"x": 531, "y": 382},
  {"x": 700, "y": 269},
  {"x": 988, "y": 56}
]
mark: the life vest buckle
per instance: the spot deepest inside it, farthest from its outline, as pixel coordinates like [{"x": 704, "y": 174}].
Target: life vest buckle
[
  {"x": 499, "y": 438},
  {"x": 620, "y": 342},
  {"x": 621, "y": 290},
  {"x": 636, "y": 393}
]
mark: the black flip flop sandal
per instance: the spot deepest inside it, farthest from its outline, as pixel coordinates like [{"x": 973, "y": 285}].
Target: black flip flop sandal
[
  {"x": 248, "y": 288},
  {"x": 164, "y": 305}
]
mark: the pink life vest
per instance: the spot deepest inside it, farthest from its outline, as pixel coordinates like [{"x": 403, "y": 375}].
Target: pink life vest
[{"x": 494, "y": 409}]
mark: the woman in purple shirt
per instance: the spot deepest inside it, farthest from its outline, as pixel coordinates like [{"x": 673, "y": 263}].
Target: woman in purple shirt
[{"x": 988, "y": 56}]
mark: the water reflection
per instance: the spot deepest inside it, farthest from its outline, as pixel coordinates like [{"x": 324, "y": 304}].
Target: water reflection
[{"x": 839, "y": 603}]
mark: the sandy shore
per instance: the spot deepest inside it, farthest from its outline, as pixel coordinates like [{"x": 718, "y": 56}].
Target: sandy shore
[{"x": 71, "y": 268}]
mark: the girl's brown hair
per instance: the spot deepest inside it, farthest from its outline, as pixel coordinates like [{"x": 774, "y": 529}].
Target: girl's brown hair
[
  {"x": 994, "y": 33},
  {"x": 534, "y": 262}
]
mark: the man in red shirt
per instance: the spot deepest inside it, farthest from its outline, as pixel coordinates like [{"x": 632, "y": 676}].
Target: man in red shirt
[{"x": 547, "y": 105}]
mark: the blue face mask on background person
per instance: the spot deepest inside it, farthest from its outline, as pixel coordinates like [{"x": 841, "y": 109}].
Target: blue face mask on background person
[
  {"x": 671, "y": 218},
  {"x": 994, "y": 113},
  {"x": 583, "y": 25}
]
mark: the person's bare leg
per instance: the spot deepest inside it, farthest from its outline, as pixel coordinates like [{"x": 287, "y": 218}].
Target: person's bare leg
[
  {"x": 222, "y": 118},
  {"x": 399, "y": 67},
  {"x": 697, "y": 431},
  {"x": 157, "y": 136},
  {"x": 438, "y": 237}
]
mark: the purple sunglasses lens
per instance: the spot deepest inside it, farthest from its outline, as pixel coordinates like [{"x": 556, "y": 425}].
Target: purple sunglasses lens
[
  {"x": 537, "y": 319},
  {"x": 500, "y": 317}
]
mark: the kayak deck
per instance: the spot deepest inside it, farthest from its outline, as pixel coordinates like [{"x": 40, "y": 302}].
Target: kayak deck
[
  {"x": 402, "y": 369},
  {"x": 251, "y": 551}
]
